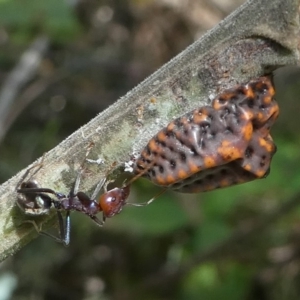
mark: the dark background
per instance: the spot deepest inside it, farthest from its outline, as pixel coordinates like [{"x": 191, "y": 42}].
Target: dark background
[{"x": 226, "y": 244}]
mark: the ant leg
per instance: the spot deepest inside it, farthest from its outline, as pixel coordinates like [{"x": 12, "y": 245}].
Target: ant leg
[
  {"x": 149, "y": 201},
  {"x": 64, "y": 230},
  {"x": 98, "y": 188},
  {"x": 59, "y": 196},
  {"x": 39, "y": 165},
  {"x": 75, "y": 187},
  {"x": 97, "y": 220}
]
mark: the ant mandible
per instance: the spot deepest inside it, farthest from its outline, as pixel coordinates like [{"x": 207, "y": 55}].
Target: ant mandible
[{"x": 34, "y": 200}]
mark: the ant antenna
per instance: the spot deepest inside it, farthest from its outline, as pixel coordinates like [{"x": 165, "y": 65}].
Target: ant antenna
[
  {"x": 134, "y": 179},
  {"x": 148, "y": 202},
  {"x": 38, "y": 164}
]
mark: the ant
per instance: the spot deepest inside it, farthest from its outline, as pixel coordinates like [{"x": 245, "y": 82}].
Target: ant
[{"x": 34, "y": 200}]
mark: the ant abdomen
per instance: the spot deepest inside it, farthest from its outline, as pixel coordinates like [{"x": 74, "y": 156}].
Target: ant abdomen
[{"x": 33, "y": 204}]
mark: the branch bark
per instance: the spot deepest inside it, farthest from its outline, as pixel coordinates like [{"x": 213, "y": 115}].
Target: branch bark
[{"x": 254, "y": 40}]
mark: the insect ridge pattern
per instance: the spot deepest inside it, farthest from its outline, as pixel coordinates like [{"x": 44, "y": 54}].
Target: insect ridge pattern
[{"x": 215, "y": 146}]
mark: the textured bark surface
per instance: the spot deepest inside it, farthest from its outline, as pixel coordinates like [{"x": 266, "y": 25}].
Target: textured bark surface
[{"x": 254, "y": 40}]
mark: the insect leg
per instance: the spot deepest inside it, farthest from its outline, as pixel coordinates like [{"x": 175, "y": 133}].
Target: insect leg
[
  {"x": 39, "y": 165},
  {"x": 98, "y": 188},
  {"x": 97, "y": 220},
  {"x": 64, "y": 229}
]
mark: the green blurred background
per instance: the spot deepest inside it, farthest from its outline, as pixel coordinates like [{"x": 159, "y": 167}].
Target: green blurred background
[{"x": 238, "y": 243}]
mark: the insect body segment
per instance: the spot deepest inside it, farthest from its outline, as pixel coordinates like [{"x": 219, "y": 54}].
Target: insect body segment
[
  {"x": 33, "y": 204},
  {"x": 215, "y": 146},
  {"x": 112, "y": 202}
]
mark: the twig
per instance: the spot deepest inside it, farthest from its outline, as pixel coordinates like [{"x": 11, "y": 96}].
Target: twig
[
  {"x": 257, "y": 38},
  {"x": 23, "y": 72},
  {"x": 27, "y": 96}
]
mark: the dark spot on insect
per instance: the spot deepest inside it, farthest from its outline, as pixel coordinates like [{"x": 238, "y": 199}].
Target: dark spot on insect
[
  {"x": 224, "y": 172},
  {"x": 199, "y": 182},
  {"x": 163, "y": 144},
  {"x": 153, "y": 173},
  {"x": 169, "y": 134},
  {"x": 154, "y": 153},
  {"x": 250, "y": 102},
  {"x": 240, "y": 91},
  {"x": 233, "y": 98},
  {"x": 178, "y": 123},
  {"x": 245, "y": 173},
  {"x": 163, "y": 156},
  {"x": 249, "y": 152},
  {"x": 161, "y": 169},
  {"x": 205, "y": 125},
  {"x": 148, "y": 151},
  {"x": 222, "y": 100},
  {"x": 210, "y": 177},
  {"x": 228, "y": 129},
  {"x": 263, "y": 157},
  {"x": 171, "y": 149},
  {"x": 194, "y": 151},
  {"x": 173, "y": 164},
  {"x": 182, "y": 156},
  {"x": 210, "y": 116},
  {"x": 262, "y": 107},
  {"x": 186, "y": 132},
  {"x": 213, "y": 134}
]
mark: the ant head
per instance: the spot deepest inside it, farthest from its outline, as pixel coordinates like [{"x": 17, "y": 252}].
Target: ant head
[
  {"x": 112, "y": 202},
  {"x": 34, "y": 204}
]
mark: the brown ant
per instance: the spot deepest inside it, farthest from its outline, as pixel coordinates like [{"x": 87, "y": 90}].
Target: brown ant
[{"x": 34, "y": 200}]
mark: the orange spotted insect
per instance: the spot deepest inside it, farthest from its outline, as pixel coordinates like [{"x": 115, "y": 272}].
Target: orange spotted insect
[{"x": 215, "y": 146}]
